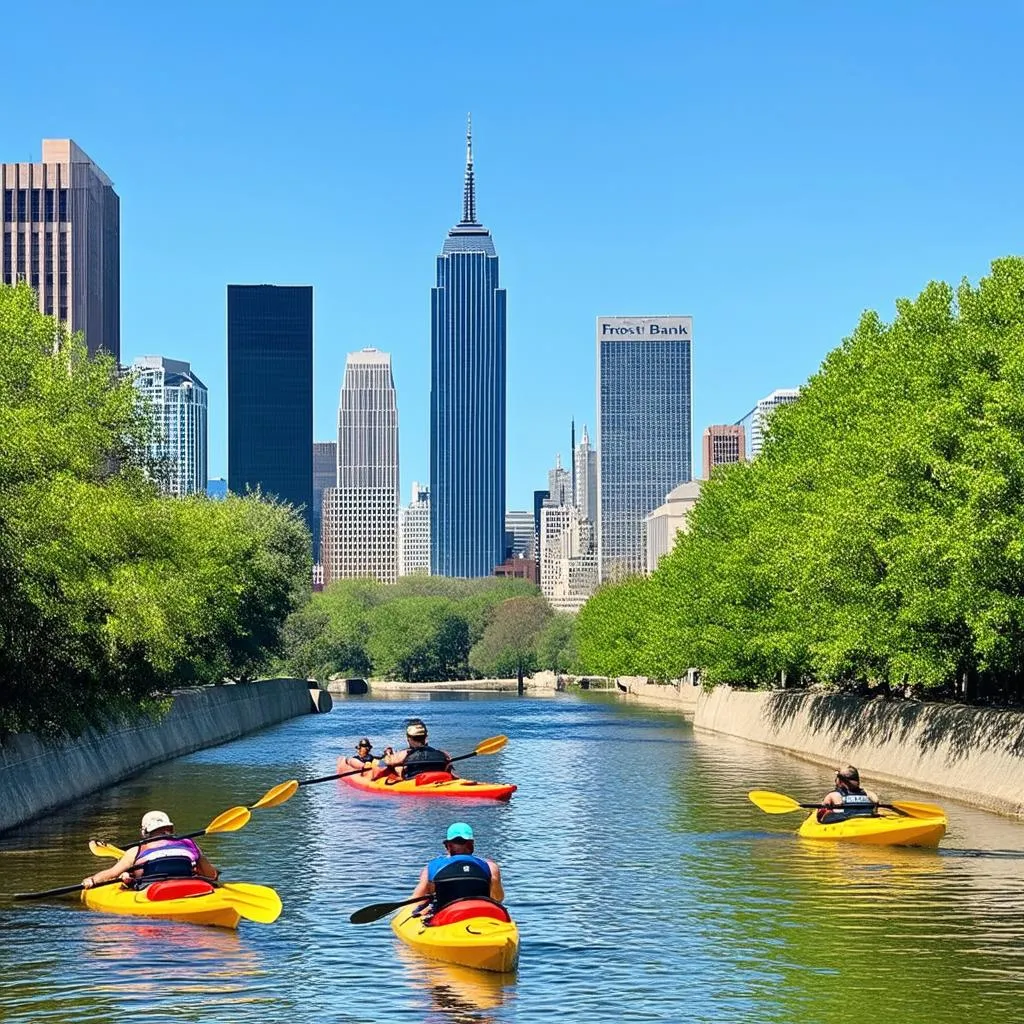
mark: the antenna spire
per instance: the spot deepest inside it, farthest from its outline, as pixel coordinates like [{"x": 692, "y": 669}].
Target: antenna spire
[{"x": 469, "y": 191}]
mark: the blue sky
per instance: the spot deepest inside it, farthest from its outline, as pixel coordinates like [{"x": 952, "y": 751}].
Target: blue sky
[{"x": 770, "y": 168}]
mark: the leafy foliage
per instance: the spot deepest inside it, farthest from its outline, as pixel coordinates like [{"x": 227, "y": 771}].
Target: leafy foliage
[
  {"x": 109, "y": 593},
  {"x": 878, "y": 540},
  {"x": 508, "y": 646}
]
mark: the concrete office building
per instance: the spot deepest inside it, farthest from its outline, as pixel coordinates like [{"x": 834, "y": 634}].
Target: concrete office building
[
  {"x": 270, "y": 393},
  {"x": 585, "y": 464},
  {"x": 519, "y": 534},
  {"x": 568, "y": 560},
  {"x": 176, "y": 399},
  {"x": 325, "y": 474},
  {"x": 668, "y": 520},
  {"x": 762, "y": 413},
  {"x": 360, "y": 529},
  {"x": 62, "y": 234},
  {"x": 560, "y": 483},
  {"x": 722, "y": 445},
  {"x": 414, "y": 534},
  {"x": 644, "y": 441}
]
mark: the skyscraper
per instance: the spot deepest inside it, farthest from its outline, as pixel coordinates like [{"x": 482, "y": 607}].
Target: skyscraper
[
  {"x": 644, "y": 397},
  {"x": 762, "y": 413},
  {"x": 560, "y": 483},
  {"x": 325, "y": 474},
  {"x": 519, "y": 527},
  {"x": 176, "y": 399},
  {"x": 467, "y": 399},
  {"x": 361, "y": 529},
  {"x": 414, "y": 534},
  {"x": 722, "y": 444},
  {"x": 62, "y": 234},
  {"x": 585, "y": 463},
  {"x": 270, "y": 392}
]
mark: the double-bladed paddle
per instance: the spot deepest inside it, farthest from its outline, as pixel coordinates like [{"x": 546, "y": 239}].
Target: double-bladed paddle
[
  {"x": 488, "y": 746},
  {"x": 65, "y": 889},
  {"x": 375, "y": 911},
  {"x": 779, "y": 803}
]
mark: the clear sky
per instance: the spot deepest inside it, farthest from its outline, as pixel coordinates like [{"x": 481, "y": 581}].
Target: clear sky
[{"x": 770, "y": 168}]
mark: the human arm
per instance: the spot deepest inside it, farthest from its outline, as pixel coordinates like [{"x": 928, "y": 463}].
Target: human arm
[
  {"x": 497, "y": 889},
  {"x": 873, "y": 797},
  {"x": 205, "y": 869},
  {"x": 123, "y": 866}
]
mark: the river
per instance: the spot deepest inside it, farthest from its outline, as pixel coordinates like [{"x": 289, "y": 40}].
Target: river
[{"x": 645, "y": 885}]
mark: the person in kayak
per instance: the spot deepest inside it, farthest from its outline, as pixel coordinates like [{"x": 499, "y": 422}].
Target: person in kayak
[
  {"x": 847, "y": 800},
  {"x": 156, "y": 856},
  {"x": 419, "y": 757},
  {"x": 459, "y": 874},
  {"x": 362, "y": 759}
]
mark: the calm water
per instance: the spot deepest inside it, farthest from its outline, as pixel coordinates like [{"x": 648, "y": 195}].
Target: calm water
[{"x": 645, "y": 885}]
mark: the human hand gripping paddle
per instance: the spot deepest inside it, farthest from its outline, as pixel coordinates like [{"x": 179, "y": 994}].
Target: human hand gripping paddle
[
  {"x": 375, "y": 911},
  {"x": 488, "y": 746},
  {"x": 778, "y": 803}
]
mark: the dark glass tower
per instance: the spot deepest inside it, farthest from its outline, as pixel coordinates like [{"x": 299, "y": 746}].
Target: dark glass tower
[
  {"x": 270, "y": 392},
  {"x": 467, "y": 399}
]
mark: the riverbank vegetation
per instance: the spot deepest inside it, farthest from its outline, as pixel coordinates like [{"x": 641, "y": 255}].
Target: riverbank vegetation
[
  {"x": 425, "y": 628},
  {"x": 110, "y": 594},
  {"x": 877, "y": 541}
]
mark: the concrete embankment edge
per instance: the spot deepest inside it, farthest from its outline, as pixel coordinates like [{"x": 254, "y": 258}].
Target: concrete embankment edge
[
  {"x": 37, "y": 776},
  {"x": 975, "y": 755}
]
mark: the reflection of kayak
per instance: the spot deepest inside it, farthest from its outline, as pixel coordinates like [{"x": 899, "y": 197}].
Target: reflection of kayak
[
  {"x": 184, "y": 899},
  {"x": 428, "y": 784},
  {"x": 455, "y": 989},
  {"x": 885, "y": 830},
  {"x": 474, "y": 933}
]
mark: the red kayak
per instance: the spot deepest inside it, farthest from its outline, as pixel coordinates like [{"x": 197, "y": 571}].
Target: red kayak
[{"x": 428, "y": 784}]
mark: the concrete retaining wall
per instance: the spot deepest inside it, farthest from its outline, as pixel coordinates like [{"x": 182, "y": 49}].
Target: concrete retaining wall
[
  {"x": 36, "y": 776},
  {"x": 971, "y": 754},
  {"x": 678, "y": 696}
]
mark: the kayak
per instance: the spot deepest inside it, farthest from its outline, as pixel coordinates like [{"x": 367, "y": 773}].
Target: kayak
[
  {"x": 474, "y": 933},
  {"x": 179, "y": 899},
  {"x": 887, "y": 829},
  {"x": 428, "y": 784}
]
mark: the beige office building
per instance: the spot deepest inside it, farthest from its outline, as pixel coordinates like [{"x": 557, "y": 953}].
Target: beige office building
[
  {"x": 667, "y": 521},
  {"x": 61, "y": 234}
]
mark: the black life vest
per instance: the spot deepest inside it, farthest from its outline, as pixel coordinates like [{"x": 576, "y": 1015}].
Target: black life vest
[
  {"x": 424, "y": 759},
  {"x": 463, "y": 877}
]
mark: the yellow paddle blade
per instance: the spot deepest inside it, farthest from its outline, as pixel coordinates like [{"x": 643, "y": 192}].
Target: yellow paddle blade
[
  {"x": 230, "y": 821},
  {"x": 278, "y": 795},
  {"x": 253, "y": 902},
  {"x": 773, "y": 803},
  {"x": 918, "y": 810},
  {"x": 491, "y": 746},
  {"x": 99, "y": 849}
]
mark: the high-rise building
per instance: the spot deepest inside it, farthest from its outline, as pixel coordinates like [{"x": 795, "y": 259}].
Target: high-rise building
[
  {"x": 270, "y": 393},
  {"x": 519, "y": 528},
  {"x": 325, "y": 474},
  {"x": 62, "y": 234},
  {"x": 560, "y": 483},
  {"x": 414, "y": 534},
  {"x": 361, "y": 533},
  {"x": 723, "y": 444},
  {"x": 467, "y": 399},
  {"x": 585, "y": 463},
  {"x": 667, "y": 521},
  {"x": 176, "y": 400},
  {"x": 568, "y": 561},
  {"x": 644, "y": 440},
  {"x": 762, "y": 413}
]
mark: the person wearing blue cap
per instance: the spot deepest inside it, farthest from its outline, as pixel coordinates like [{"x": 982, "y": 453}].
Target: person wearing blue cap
[{"x": 459, "y": 874}]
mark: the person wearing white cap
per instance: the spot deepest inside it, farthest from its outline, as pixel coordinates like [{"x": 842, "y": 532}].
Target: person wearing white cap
[
  {"x": 420, "y": 757},
  {"x": 158, "y": 855},
  {"x": 459, "y": 874}
]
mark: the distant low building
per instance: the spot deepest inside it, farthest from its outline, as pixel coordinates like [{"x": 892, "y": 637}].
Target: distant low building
[
  {"x": 666, "y": 521},
  {"x": 518, "y": 569},
  {"x": 723, "y": 444}
]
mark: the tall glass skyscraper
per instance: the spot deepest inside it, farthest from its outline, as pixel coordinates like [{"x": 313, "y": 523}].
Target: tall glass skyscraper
[
  {"x": 270, "y": 392},
  {"x": 467, "y": 399},
  {"x": 645, "y": 433}
]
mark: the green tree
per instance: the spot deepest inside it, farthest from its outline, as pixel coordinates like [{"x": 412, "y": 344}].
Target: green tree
[
  {"x": 556, "y": 645},
  {"x": 508, "y": 646}
]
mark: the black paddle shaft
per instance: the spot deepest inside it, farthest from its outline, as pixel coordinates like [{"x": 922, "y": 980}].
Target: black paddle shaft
[
  {"x": 65, "y": 889},
  {"x": 359, "y": 771}
]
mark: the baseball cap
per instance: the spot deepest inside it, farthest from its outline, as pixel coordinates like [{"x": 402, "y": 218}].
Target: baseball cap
[
  {"x": 153, "y": 820},
  {"x": 460, "y": 830},
  {"x": 416, "y": 729},
  {"x": 364, "y": 742}
]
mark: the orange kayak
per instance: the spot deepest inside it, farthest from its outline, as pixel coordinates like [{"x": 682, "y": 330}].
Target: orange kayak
[{"x": 428, "y": 784}]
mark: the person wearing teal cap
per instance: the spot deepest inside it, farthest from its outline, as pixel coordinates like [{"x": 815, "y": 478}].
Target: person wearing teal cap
[{"x": 459, "y": 874}]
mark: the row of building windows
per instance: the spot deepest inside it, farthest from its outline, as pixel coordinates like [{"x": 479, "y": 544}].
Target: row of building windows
[{"x": 35, "y": 204}]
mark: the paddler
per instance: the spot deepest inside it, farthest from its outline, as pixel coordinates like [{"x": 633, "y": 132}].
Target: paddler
[
  {"x": 459, "y": 874},
  {"x": 419, "y": 757},
  {"x": 157, "y": 856},
  {"x": 847, "y": 800},
  {"x": 363, "y": 759}
]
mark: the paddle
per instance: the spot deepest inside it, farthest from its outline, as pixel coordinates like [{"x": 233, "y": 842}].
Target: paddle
[
  {"x": 375, "y": 911},
  {"x": 230, "y": 820},
  {"x": 778, "y": 803},
  {"x": 488, "y": 746},
  {"x": 64, "y": 889}
]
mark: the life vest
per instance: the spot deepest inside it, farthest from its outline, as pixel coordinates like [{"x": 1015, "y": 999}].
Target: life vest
[
  {"x": 424, "y": 759},
  {"x": 167, "y": 858},
  {"x": 856, "y": 804},
  {"x": 462, "y": 877},
  {"x": 369, "y": 759}
]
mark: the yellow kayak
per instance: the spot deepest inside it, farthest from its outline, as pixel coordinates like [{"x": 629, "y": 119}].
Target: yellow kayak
[
  {"x": 887, "y": 829},
  {"x": 187, "y": 899},
  {"x": 473, "y": 933}
]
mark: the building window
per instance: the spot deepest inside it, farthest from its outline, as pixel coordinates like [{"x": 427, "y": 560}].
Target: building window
[
  {"x": 22, "y": 203},
  {"x": 48, "y": 204},
  {"x": 36, "y": 203},
  {"x": 62, "y": 204},
  {"x": 8, "y": 204}
]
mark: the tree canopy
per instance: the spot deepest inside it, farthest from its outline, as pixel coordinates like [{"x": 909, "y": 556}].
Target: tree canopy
[{"x": 878, "y": 539}]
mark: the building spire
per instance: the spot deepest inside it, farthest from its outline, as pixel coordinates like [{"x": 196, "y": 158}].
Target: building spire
[{"x": 469, "y": 191}]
